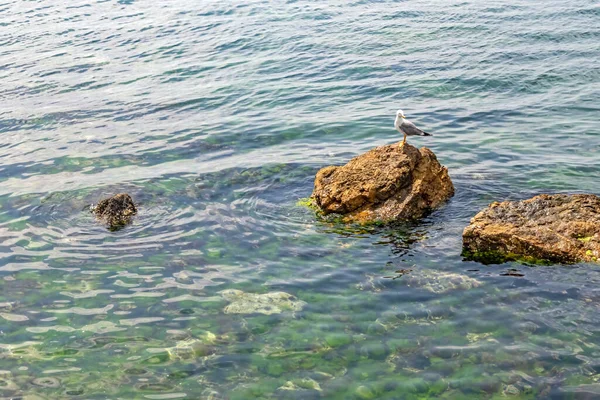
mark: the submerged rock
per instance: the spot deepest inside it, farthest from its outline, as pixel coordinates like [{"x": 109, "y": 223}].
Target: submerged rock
[
  {"x": 365, "y": 392},
  {"x": 384, "y": 184},
  {"x": 46, "y": 382},
  {"x": 511, "y": 390},
  {"x": 116, "y": 211},
  {"x": 557, "y": 228},
  {"x": 301, "y": 384},
  {"x": 268, "y": 303},
  {"x": 190, "y": 349},
  {"x": 440, "y": 281}
]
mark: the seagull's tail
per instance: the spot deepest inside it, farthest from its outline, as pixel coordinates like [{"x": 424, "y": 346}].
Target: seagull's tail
[{"x": 426, "y": 133}]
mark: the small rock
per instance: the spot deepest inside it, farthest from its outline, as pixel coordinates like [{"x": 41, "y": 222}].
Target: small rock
[
  {"x": 557, "y": 228},
  {"x": 511, "y": 390},
  {"x": 116, "y": 211},
  {"x": 384, "y": 184}
]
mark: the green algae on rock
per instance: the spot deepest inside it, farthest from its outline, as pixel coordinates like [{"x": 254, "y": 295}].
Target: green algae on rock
[
  {"x": 268, "y": 303},
  {"x": 116, "y": 211},
  {"x": 334, "y": 340},
  {"x": 547, "y": 228},
  {"x": 308, "y": 202}
]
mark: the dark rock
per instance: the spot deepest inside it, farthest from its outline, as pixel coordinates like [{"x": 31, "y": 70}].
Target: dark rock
[
  {"x": 384, "y": 184},
  {"x": 556, "y": 228},
  {"x": 115, "y": 212}
]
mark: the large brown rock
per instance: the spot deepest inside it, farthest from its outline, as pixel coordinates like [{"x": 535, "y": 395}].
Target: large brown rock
[
  {"x": 116, "y": 211},
  {"x": 557, "y": 228},
  {"x": 384, "y": 184}
]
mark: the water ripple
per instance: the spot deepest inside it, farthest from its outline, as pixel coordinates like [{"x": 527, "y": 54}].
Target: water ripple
[{"x": 215, "y": 118}]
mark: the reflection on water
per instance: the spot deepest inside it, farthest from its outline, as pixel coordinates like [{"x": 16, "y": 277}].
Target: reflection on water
[{"x": 215, "y": 118}]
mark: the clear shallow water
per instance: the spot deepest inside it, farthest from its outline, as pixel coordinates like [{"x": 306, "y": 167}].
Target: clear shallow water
[{"x": 215, "y": 118}]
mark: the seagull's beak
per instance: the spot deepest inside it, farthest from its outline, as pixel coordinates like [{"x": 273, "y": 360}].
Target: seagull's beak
[{"x": 403, "y": 116}]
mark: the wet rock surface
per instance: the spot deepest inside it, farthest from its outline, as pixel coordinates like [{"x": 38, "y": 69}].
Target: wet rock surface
[
  {"x": 384, "y": 184},
  {"x": 556, "y": 228},
  {"x": 116, "y": 211}
]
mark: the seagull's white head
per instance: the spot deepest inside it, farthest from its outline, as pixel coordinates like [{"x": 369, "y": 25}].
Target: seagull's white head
[{"x": 400, "y": 114}]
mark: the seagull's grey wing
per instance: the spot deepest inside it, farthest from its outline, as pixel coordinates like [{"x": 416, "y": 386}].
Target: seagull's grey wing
[{"x": 411, "y": 130}]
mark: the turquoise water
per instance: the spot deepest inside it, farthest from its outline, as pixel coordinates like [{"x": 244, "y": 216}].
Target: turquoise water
[{"x": 215, "y": 118}]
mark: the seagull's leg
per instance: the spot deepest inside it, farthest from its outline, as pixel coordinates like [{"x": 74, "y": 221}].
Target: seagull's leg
[{"x": 404, "y": 141}]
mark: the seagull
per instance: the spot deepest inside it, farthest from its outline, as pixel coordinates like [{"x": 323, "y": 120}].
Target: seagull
[{"x": 407, "y": 128}]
